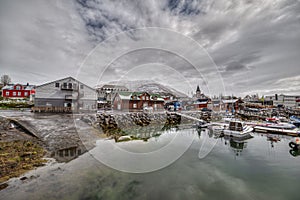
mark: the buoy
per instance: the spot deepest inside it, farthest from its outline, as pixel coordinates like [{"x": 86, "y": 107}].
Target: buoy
[{"x": 293, "y": 145}]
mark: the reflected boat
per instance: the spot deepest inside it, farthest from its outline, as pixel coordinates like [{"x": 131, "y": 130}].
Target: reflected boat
[
  {"x": 273, "y": 138},
  {"x": 237, "y": 145},
  {"x": 240, "y": 145}
]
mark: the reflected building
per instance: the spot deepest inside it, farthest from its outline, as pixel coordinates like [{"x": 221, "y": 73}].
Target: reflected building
[{"x": 67, "y": 154}]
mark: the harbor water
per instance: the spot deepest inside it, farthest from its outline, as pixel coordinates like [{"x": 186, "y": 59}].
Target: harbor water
[{"x": 199, "y": 165}]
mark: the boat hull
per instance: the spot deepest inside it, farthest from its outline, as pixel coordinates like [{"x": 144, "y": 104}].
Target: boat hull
[
  {"x": 276, "y": 130},
  {"x": 245, "y": 134}
]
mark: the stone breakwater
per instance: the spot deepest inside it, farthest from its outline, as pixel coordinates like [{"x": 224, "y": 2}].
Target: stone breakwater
[{"x": 117, "y": 121}]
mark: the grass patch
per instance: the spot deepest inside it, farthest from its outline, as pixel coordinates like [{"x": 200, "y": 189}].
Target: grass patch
[{"x": 18, "y": 157}]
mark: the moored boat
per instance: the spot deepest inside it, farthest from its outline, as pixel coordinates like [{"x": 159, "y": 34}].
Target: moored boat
[
  {"x": 280, "y": 128},
  {"x": 295, "y": 121},
  {"x": 238, "y": 130}
]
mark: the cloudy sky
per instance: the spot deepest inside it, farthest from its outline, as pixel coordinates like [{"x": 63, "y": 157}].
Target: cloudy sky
[{"x": 234, "y": 47}]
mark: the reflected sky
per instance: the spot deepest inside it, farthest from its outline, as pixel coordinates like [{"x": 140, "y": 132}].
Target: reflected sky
[{"x": 260, "y": 170}]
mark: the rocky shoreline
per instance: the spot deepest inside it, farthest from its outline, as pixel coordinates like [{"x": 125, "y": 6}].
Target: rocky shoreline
[
  {"x": 123, "y": 120},
  {"x": 118, "y": 125}
]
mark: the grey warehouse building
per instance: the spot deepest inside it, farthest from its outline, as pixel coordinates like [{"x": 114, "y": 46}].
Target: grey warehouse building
[{"x": 66, "y": 93}]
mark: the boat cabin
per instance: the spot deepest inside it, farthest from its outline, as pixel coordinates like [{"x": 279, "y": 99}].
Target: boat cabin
[{"x": 235, "y": 126}]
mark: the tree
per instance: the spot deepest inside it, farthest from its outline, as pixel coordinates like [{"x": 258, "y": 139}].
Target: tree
[{"x": 5, "y": 79}]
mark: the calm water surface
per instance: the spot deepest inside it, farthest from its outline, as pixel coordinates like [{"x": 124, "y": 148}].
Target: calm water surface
[{"x": 253, "y": 169}]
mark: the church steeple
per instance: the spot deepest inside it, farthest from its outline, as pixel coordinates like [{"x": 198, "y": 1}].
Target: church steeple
[
  {"x": 198, "y": 92},
  {"x": 198, "y": 89}
]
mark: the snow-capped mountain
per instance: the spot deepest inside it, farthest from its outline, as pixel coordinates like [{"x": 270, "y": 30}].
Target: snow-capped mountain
[{"x": 150, "y": 87}]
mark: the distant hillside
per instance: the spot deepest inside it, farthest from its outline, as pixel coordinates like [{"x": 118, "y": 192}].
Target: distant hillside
[{"x": 150, "y": 87}]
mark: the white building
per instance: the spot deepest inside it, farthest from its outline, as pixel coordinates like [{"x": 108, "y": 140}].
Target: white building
[
  {"x": 288, "y": 101},
  {"x": 67, "y": 92}
]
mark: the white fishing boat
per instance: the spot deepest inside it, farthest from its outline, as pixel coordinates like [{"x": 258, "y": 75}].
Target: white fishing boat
[
  {"x": 279, "y": 128},
  {"x": 238, "y": 130},
  {"x": 295, "y": 121}
]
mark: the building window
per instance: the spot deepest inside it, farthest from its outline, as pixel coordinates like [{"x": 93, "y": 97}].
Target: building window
[
  {"x": 56, "y": 84},
  {"x": 25, "y": 93},
  {"x": 81, "y": 86},
  {"x": 147, "y": 98},
  {"x": 19, "y": 93},
  {"x": 134, "y": 105},
  {"x": 70, "y": 85},
  {"x": 75, "y": 86},
  {"x": 65, "y": 85},
  {"x": 18, "y": 87},
  {"x": 7, "y": 93},
  {"x": 14, "y": 93}
]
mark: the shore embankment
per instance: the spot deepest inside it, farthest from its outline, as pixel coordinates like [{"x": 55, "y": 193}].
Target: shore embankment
[
  {"x": 19, "y": 151},
  {"x": 119, "y": 124}
]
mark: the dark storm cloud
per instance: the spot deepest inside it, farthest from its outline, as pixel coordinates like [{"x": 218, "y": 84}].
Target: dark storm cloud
[
  {"x": 185, "y": 8},
  {"x": 235, "y": 66}
]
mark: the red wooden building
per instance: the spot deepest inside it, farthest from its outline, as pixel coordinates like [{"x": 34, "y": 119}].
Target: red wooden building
[
  {"x": 137, "y": 101},
  {"x": 18, "y": 91}
]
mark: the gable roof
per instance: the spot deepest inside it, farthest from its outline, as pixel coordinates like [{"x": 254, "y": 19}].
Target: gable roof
[
  {"x": 127, "y": 95},
  {"x": 113, "y": 86},
  {"x": 70, "y": 77},
  {"x": 230, "y": 101},
  {"x": 25, "y": 87}
]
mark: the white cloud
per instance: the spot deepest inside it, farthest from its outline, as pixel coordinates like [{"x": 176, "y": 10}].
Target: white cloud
[
  {"x": 40, "y": 40},
  {"x": 254, "y": 42}
]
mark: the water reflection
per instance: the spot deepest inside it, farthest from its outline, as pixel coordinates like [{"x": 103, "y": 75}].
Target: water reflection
[
  {"x": 67, "y": 154},
  {"x": 273, "y": 139},
  {"x": 294, "y": 152},
  {"x": 236, "y": 146},
  {"x": 257, "y": 174}
]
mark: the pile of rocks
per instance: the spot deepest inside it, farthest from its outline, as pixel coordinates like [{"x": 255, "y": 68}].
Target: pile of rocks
[
  {"x": 141, "y": 119},
  {"x": 124, "y": 120},
  {"x": 107, "y": 122},
  {"x": 173, "y": 119}
]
